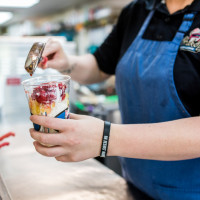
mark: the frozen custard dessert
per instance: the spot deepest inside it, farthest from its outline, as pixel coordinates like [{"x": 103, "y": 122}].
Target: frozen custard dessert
[
  {"x": 48, "y": 96},
  {"x": 49, "y": 99}
]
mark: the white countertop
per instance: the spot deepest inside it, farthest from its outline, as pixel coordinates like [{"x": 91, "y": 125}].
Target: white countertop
[{"x": 26, "y": 175}]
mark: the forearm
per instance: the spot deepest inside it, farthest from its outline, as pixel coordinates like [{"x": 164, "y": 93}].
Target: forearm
[
  {"x": 173, "y": 140},
  {"x": 84, "y": 69}
]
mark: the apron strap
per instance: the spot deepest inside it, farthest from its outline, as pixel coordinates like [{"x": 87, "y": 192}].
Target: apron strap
[
  {"x": 145, "y": 24},
  {"x": 184, "y": 27},
  {"x": 187, "y": 22}
]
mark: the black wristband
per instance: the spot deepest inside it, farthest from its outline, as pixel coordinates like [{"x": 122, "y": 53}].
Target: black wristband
[{"x": 105, "y": 139}]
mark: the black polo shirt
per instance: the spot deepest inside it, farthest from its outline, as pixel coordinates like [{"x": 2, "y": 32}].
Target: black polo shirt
[{"x": 162, "y": 27}]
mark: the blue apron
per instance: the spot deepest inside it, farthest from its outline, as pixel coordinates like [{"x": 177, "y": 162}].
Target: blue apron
[{"x": 147, "y": 94}]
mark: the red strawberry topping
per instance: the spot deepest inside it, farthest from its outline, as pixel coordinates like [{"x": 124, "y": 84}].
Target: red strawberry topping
[{"x": 46, "y": 93}]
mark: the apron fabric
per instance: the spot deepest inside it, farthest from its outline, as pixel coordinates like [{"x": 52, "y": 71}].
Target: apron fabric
[{"x": 147, "y": 94}]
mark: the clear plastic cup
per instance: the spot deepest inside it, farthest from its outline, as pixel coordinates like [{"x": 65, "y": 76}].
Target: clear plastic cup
[{"x": 48, "y": 96}]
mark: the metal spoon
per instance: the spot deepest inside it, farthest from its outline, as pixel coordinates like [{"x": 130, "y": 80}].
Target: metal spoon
[{"x": 34, "y": 57}]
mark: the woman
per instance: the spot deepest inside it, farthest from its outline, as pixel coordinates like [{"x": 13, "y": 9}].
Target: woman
[{"x": 153, "y": 51}]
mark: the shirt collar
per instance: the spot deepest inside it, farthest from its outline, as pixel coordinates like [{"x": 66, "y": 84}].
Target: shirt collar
[{"x": 151, "y": 4}]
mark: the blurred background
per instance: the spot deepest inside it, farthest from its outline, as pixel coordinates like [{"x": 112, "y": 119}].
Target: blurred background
[{"x": 81, "y": 26}]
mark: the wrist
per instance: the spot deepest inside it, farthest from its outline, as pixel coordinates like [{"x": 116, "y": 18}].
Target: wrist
[
  {"x": 114, "y": 141},
  {"x": 70, "y": 65},
  {"x": 105, "y": 139}
]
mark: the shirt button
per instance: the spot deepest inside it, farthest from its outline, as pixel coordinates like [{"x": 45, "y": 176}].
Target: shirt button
[
  {"x": 167, "y": 19},
  {"x": 159, "y": 37}
]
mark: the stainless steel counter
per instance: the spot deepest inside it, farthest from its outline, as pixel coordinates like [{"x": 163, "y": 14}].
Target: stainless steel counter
[{"x": 26, "y": 175}]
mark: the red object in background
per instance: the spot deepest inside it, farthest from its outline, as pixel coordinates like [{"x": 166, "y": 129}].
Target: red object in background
[
  {"x": 13, "y": 81},
  {"x": 4, "y": 144},
  {"x": 6, "y": 136}
]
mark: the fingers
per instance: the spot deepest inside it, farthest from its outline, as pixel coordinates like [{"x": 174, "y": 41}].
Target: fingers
[
  {"x": 49, "y": 122},
  {"x": 49, "y": 151},
  {"x": 55, "y": 123},
  {"x": 47, "y": 139},
  {"x": 64, "y": 158},
  {"x": 51, "y": 47},
  {"x": 54, "y": 63},
  {"x": 68, "y": 158},
  {"x": 49, "y": 64}
]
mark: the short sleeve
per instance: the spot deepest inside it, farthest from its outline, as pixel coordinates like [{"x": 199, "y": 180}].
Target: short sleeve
[{"x": 107, "y": 55}]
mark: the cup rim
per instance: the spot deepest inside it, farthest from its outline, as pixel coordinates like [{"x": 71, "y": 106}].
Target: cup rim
[{"x": 26, "y": 82}]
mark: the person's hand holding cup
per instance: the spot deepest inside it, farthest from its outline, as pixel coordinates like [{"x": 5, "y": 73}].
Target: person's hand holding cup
[{"x": 48, "y": 96}]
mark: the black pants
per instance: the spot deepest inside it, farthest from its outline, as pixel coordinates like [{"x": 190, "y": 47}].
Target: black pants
[{"x": 137, "y": 194}]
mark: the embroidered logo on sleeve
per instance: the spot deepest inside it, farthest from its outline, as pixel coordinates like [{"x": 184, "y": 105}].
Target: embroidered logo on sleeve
[{"x": 191, "y": 42}]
